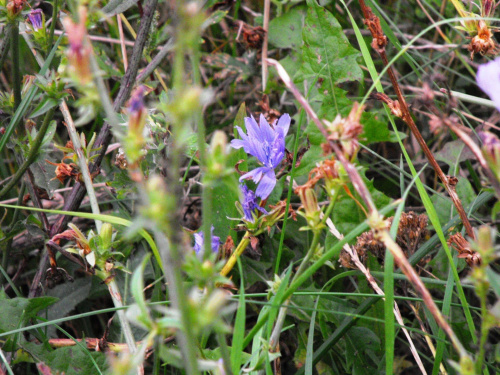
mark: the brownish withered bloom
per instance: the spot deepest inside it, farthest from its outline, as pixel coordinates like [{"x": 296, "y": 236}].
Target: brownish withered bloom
[
  {"x": 412, "y": 231},
  {"x": 462, "y": 246},
  {"x": 79, "y": 50},
  {"x": 345, "y": 132},
  {"x": 14, "y": 7},
  {"x": 64, "y": 171},
  {"x": 483, "y": 42},
  {"x": 393, "y": 105},
  {"x": 253, "y": 36}
]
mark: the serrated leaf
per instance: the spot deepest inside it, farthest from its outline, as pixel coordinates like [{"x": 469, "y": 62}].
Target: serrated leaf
[
  {"x": 327, "y": 53},
  {"x": 285, "y": 31},
  {"x": 73, "y": 360},
  {"x": 16, "y": 311},
  {"x": 117, "y": 7}
]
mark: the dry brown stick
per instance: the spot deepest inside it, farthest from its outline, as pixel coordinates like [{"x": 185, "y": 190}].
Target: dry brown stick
[
  {"x": 379, "y": 43},
  {"x": 375, "y": 220}
]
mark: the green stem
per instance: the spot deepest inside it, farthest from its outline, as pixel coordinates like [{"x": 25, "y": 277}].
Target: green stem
[
  {"x": 207, "y": 189},
  {"x": 15, "y": 64},
  {"x": 11, "y": 226},
  {"x": 484, "y": 328},
  {"x": 290, "y": 189},
  {"x": 114, "y": 291},
  {"x": 32, "y": 153},
  {"x": 316, "y": 237},
  {"x": 55, "y": 10},
  {"x": 5, "y": 43},
  {"x": 236, "y": 254}
]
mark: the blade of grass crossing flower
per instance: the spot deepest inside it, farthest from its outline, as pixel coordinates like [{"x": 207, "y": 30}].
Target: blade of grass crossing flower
[
  {"x": 310, "y": 341},
  {"x": 105, "y": 218},
  {"x": 239, "y": 327},
  {"x": 448, "y": 294},
  {"x": 28, "y": 98}
]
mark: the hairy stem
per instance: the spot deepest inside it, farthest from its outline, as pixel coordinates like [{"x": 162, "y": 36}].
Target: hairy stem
[
  {"x": 31, "y": 155},
  {"x": 16, "y": 73}
]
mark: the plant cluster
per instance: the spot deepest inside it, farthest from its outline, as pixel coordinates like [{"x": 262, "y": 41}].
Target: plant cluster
[{"x": 230, "y": 187}]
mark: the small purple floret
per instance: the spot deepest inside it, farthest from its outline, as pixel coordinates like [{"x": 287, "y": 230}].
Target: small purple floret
[
  {"x": 249, "y": 203},
  {"x": 488, "y": 79},
  {"x": 267, "y": 144},
  {"x": 136, "y": 103},
  {"x": 35, "y": 18},
  {"x": 199, "y": 240}
]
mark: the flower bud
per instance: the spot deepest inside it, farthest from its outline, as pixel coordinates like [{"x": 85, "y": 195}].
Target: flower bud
[
  {"x": 311, "y": 208},
  {"x": 35, "y": 17},
  {"x": 106, "y": 235},
  {"x": 217, "y": 158},
  {"x": 79, "y": 51}
]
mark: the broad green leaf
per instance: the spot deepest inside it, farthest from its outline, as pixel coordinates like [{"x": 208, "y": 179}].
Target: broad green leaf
[
  {"x": 73, "y": 360},
  {"x": 327, "y": 53},
  {"x": 285, "y": 31},
  {"x": 224, "y": 192},
  {"x": 16, "y": 311},
  {"x": 445, "y": 208},
  {"x": 453, "y": 152}
]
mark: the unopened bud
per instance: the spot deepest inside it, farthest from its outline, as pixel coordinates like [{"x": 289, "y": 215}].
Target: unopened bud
[{"x": 106, "y": 235}]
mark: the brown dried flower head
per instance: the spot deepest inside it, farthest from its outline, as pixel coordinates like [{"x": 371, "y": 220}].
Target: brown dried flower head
[
  {"x": 462, "y": 246},
  {"x": 346, "y": 131},
  {"x": 412, "y": 231},
  {"x": 65, "y": 171},
  {"x": 253, "y": 36},
  {"x": 483, "y": 42},
  {"x": 14, "y": 7},
  {"x": 393, "y": 105}
]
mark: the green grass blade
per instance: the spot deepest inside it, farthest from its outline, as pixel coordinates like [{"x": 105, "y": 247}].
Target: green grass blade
[
  {"x": 239, "y": 327},
  {"x": 105, "y": 218}
]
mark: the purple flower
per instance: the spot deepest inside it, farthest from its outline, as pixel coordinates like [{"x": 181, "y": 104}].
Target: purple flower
[
  {"x": 199, "y": 239},
  {"x": 267, "y": 144},
  {"x": 35, "y": 18},
  {"x": 249, "y": 203},
  {"x": 491, "y": 144},
  {"x": 488, "y": 79}
]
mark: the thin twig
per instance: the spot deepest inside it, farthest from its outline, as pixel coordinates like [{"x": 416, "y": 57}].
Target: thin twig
[
  {"x": 122, "y": 42},
  {"x": 33, "y": 152},
  {"x": 169, "y": 46}
]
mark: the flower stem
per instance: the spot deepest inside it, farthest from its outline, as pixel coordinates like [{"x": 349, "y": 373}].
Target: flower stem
[
  {"x": 117, "y": 301},
  {"x": 15, "y": 64},
  {"x": 236, "y": 254},
  {"x": 274, "y": 339},
  {"x": 5, "y": 43},
  {"x": 55, "y": 11},
  {"x": 32, "y": 153}
]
